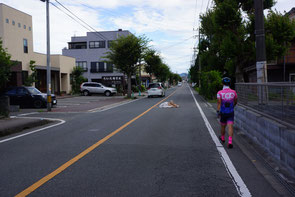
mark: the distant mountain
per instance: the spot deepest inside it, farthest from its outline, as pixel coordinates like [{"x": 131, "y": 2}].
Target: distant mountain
[{"x": 183, "y": 74}]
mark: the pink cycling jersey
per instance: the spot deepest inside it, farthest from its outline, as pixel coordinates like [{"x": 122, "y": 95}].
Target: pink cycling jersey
[{"x": 227, "y": 97}]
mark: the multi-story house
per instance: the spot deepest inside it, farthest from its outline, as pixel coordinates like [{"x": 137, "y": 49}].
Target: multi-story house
[
  {"x": 16, "y": 33},
  {"x": 89, "y": 52},
  {"x": 280, "y": 70}
]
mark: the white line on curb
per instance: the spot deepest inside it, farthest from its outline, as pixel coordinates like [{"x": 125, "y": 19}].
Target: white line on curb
[
  {"x": 230, "y": 168},
  {"x": 35, "y": 131},
  {"x": 31, "y": 113}
]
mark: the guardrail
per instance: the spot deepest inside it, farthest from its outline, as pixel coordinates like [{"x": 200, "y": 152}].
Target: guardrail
[{"x": 274, "y": 99}]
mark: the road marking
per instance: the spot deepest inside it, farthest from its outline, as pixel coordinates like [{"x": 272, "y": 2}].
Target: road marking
[
  {"x": 230, "y": 168},
  {"x": 35, "y": 131},
  {"x": 111, "y": 106},
  {"x": 63, "y": 167},
  {"x": 28, "y": 114}
]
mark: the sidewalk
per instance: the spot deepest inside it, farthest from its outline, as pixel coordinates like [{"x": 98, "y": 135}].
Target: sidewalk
[{"x": 13, "y": 125}]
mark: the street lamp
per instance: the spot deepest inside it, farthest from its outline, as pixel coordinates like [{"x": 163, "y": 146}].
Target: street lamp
[{"x": 48, "y": 57}]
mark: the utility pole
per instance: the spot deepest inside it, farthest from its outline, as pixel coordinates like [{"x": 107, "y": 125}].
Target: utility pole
[
  {"x": 261, "y": 66},
  {"x": 48, "y": 57}
]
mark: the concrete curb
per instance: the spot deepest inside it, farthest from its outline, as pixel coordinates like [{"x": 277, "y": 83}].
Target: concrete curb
[{"x": 15, "y": 125}]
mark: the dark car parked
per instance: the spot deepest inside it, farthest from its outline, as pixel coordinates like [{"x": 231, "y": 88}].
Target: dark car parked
[{"x": 28, "y": 97}]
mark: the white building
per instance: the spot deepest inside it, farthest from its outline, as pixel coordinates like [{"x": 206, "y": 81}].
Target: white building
[{"x": 16, "y": 33}]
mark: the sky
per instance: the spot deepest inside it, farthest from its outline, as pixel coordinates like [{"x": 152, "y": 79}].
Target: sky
[{"x": 170, "y": 24}]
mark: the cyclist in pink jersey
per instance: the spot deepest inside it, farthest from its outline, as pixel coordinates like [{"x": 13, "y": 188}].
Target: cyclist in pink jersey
[{"x": 226, "y": 101}]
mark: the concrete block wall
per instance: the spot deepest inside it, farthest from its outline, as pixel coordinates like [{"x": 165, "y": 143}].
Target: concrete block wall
[{"x": 274, "y": 137}]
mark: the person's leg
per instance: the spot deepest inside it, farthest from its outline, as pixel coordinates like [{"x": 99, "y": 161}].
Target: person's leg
[
  {"x": 222, "y": 138},
  {"x": 223, "y": 126},
  {"x": 230, "y": 135},
  {"x": 230, "y": 130}
]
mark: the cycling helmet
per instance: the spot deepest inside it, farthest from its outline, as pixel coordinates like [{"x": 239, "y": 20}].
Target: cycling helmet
[{"x": 226, "y": 81}]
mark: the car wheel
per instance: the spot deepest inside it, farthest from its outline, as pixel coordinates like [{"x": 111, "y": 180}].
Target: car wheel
[
  {"x": 107, "y": 93},
  {"x": 86, "y": 93},
  {"x": 38, "y": 103}
]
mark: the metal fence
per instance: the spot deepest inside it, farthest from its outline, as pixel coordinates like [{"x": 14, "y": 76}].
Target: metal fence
[{"x": 274, "y": 99}]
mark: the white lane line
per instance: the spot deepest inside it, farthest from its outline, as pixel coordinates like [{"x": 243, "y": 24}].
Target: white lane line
[
  {"x": 230, "y": 168},
  {"x": 105, "y": 108},
  {"x": 35, "y": 131}
]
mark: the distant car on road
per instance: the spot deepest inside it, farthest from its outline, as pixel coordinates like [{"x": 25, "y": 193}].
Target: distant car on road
[
  {"x": 179, "y": 84},
  {"x": 28, "y": 97},
  {"x": 156, "y": 89},
  {"x": 89, "y": 88}
]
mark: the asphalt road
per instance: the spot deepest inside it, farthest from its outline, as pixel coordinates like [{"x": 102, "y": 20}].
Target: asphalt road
[{"x": 136, "y": 149}]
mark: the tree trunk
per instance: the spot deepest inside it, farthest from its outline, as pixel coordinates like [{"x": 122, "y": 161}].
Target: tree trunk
[
  {"x": 151, "y": 75},
  {"x": 129, "y": 86},
  {"x": 239, "y": 74}
]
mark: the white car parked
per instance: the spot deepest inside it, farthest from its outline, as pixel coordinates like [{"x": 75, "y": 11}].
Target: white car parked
[
  {"x": 89, "y": 88},
  {"x": 156, "y": 89}
]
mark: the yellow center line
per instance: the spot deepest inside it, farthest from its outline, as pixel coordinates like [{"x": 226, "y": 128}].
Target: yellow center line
[{"x": 42, "y": 181}]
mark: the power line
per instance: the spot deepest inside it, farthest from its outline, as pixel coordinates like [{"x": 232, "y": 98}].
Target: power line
[
  {"x": 177, "y": 43},
  {"x": 69, "y": 16},
  {"x": 174, "y": 58},
  {"x": 80, "y": 19},
  {"x": 91, "y": 28}
]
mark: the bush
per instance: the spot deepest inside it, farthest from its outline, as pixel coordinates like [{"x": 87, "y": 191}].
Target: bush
[
  {"x": 77, "y": 79},
  {"x": 210, "y": 84},
  {"x": 142, "y": 88},
  {"x": 134, "y": 88}
]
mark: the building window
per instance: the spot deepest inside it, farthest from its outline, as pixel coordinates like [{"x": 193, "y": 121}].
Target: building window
[
  {"x": 71, "y": 79},
  {"x": 97, "y": 67},
  {"x": 77, "y": 45},
  {"x": 19, "y": 25},
  {"x": 7, "y": 20},
  {"x": 25, "y": 27},
  {"x": 30, "y": 28},
  {"x": 25, "y": 46},
  {"x": 97, "y": 44},
  {"x": 13, "y": 22},
  {"x": 93, "y": 68},
  {"x": 101, "y": 67},
  {"x": 82, "y": 64}
]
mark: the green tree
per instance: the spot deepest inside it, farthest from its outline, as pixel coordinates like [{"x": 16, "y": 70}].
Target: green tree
[
  {"x": 162, "y": 72},
  {"x": 32, "y": 78},
  {"x": 125, "y": 53},
  {"x": 152, "y": 60},
  {"x": 228, "y": 41},
  {"x": 77, "y": 79},
  {"x": 5, "y": 65},
  {"x": 210, "y": 84},
  {"x": 280, "y": 32}
]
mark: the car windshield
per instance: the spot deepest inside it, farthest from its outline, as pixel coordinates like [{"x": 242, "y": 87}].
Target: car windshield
[
  {"x": 154, "y": 85},
  {"x": 33, "y": 90}
]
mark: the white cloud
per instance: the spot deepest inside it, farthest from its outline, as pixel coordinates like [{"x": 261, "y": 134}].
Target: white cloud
[{"x": 172, "y": 20}]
